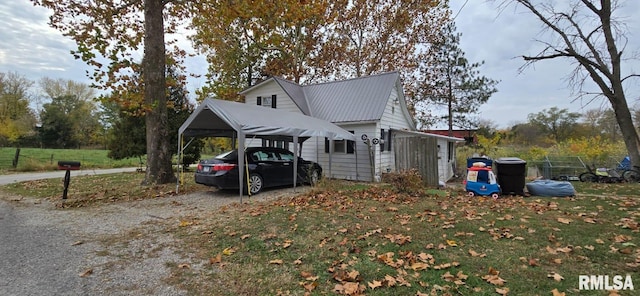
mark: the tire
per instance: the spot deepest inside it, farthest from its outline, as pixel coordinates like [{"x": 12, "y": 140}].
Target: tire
[
  {"x": 631, "y": 176},
  {"x": 314, "y": 177},
  {"x": 495, "y": 196},
  {"x": 471, "y": 194},
  {"x": 256, "y": 183},
  {"x": 588, "y": 177}
]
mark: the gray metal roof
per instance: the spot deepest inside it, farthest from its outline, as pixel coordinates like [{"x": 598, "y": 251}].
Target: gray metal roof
[
  {"x": 296, "y": 93},
  {"x": 358, "y": 99},
  {"x": 353, "y": 100}
]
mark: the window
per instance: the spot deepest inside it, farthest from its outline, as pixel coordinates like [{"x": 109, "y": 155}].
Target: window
[
  {"x": 340, "y": 146},
  {"x": 286, "y": 156},
  {"x": 267, "y": 101}
]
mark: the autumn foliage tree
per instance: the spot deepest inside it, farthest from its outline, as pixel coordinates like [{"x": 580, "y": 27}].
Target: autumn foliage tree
[
  {"x": 109, "y": 35},
  {"x": 312, "y": 41}
]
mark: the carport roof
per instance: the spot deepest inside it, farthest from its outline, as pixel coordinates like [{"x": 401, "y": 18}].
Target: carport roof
[{"x": 222, "y": 118}]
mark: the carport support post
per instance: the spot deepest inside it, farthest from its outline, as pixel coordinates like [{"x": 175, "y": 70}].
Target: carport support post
[
  {"x": 241, "y": 164},
  {"x": 330, "y": 155},
  {"x": 295, "y": 162}
]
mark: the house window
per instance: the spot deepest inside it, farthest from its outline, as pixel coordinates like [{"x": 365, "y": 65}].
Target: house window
[
  {"x": 340, "y": 146},
  {"x": 267, "y": 101}
]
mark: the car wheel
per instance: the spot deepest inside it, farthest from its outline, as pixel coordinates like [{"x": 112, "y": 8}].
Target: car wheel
[
  {"x": 255, "y": 183},
  {"x": 495, "y": 196},
  {"x": 471, "y": 194},
  {"x": 314, "y": 177}
]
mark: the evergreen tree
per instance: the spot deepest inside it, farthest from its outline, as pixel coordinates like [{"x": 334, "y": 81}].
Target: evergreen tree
[{"x": 454, "y": 82}]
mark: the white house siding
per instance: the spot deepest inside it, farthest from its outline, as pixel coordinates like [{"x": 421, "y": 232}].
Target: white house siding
[
  {"x": 283, "y": 101},
  {"x": 392, "y": 118},
  {"x": 345, "y": 166},
  {"x": 445, "y": 161}
]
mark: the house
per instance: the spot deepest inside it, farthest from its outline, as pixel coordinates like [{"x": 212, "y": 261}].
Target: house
[{"x": 373, "y": 108}]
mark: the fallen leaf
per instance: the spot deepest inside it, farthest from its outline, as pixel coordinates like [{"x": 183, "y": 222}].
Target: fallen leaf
[
  {"x": 452, "y": 243},
  {"x": 374, "y": 284},
  {"x": 184, "y": 266},
  {"x": 86, "y": 273},
  {"x": 216, "y": 259},
  {"x": 476, "y": 254},
  {"x": 276, "y": 261},
  {"x": 185, "y": 223},
  {"x": 555, "y": 276},
  {"x": 564, "y": 220},
  {"x": 502, "y": 291},
  {"x": 555, "y": 292},
  {"x": 228, "y": 251},
  {"x": 77, "y": 243}
]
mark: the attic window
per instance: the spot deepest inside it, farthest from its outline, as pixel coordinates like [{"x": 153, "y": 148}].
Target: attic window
[{"x": 267, "y": 101}]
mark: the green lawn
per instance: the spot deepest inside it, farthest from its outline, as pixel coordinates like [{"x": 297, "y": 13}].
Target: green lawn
[{"x": 35, "y": 159}]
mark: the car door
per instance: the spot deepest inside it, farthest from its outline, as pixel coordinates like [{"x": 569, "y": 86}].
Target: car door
[
  {"x": 267, "y": 166},
  {"x": 285, "y": 169}
]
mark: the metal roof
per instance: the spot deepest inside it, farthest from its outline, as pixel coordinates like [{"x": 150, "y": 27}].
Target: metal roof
[
  {"x": 296, "y": 93},
  {"x": 353, "y": 100},
  {"x": 358, "y": 99}
]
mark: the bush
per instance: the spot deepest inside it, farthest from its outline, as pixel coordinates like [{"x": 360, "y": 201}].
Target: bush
[{"x": 409, "y": 182}]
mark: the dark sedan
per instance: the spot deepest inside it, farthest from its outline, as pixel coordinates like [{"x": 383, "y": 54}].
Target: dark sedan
[{"x": 268, "y": 167}]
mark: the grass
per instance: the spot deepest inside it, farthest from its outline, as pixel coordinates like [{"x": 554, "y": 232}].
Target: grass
[
  {"x": 355, "y": 239},
  {"x": 35, "y": 159},
  {"x": 97, "y": 189},
  {"x": 376, "y": 242}
]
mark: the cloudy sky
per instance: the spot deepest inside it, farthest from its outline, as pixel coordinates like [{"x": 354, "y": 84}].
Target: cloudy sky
[{"x": 497, "y": 37}]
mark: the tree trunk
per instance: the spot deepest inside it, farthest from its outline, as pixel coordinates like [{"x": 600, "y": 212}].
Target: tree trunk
[
  {"x": 623, "y": 117},
  {"x": 159, "y": 168}
]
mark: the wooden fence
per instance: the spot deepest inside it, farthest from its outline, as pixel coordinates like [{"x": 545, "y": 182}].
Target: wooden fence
[{"x": 418, "y": 153}]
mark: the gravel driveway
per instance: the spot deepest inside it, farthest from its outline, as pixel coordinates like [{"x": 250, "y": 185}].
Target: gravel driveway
[{"x": 113, "y": 249}]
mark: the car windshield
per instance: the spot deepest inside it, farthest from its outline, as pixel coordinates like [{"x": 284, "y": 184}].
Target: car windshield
[{"x": 228, "y": 155}]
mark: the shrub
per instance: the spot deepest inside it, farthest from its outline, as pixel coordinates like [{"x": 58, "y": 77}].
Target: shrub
[{"x": 409, "y": 181}]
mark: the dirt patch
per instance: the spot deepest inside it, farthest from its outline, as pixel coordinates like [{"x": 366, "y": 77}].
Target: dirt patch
[{"x": 128, "y": 248}]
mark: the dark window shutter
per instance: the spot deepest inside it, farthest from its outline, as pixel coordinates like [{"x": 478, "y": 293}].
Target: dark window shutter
[
  {"x": 273, "y": 101},
  {"x": 259, "y": 101},
  {"x": 350, "y": 145},
  {"x": 382, "y": 139},
  {"x": 389, "y": 140},
  {"x": 326, "y": 145}
]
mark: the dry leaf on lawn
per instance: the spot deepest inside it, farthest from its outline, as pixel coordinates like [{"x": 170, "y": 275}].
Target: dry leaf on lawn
[{"x": 555, "y": 276}]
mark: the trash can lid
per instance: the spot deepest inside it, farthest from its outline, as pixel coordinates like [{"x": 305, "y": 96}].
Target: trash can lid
[{"x": 510, "y": 160}]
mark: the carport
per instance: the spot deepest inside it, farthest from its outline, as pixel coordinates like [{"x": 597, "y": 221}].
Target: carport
[{"x": 218, "y": 118}]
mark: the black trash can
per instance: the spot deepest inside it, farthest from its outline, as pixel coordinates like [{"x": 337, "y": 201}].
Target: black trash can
[{"x": 511, "y": 173}]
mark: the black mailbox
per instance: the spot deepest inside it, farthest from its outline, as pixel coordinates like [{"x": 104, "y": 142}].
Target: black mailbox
[{"x": 67, "y": 166}]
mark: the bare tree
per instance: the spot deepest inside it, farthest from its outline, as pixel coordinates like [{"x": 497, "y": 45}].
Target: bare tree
[{"x": 586, "y": 33}]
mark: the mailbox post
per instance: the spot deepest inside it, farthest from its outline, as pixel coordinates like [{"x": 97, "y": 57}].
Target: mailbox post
[{"x": 68, "y": 166}]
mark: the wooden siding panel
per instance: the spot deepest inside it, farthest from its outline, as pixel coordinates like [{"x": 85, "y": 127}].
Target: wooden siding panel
[{"x": 418, "y": 153}]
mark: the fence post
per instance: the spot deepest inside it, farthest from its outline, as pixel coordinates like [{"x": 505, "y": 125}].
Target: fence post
[{"x": 15, "y": 158}]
